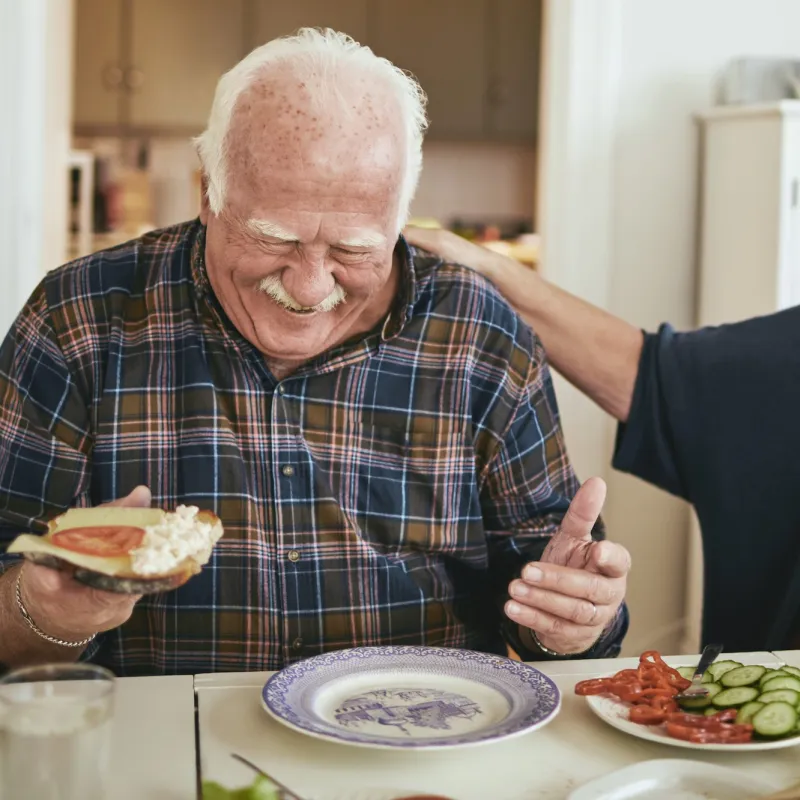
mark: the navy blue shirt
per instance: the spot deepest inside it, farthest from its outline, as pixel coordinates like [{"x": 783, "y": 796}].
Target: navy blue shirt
[{"x": 716, "y": 420}]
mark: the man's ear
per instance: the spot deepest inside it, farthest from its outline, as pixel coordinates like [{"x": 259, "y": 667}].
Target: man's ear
[{"x": 205, "y": 209}]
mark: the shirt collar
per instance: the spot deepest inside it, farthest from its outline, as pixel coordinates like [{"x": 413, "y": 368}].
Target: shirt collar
[
  {"x": 403, "y": 307},
  {"x": 198, "y": 262}
]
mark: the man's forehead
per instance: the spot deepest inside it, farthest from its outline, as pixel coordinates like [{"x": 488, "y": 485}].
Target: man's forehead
[{"x": 284, "y": 114}]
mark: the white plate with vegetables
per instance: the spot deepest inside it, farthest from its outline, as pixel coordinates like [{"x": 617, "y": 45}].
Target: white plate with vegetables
[{"x": 768, "y": 699}]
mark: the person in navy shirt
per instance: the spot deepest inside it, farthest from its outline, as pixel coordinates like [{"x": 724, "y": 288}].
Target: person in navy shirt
[{"x": 711, "y": 415}]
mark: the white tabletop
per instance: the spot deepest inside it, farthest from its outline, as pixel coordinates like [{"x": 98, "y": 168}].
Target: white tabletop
[
  {"x": 790, "y": 657},
  {"x": 153, "y": 754},
  {"x": 543, "y": 765},
  {"x": 153, "y": 750}
]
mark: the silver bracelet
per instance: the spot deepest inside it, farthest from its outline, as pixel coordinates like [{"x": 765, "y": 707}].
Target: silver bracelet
[
  {"x": 35, "y": 628},
  {"x": 546, "y": 650}
]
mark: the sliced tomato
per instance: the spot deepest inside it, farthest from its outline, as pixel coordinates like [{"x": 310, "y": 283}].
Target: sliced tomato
[
  {"x": 645, "y": 715},
  {"x": 677, "y": 731},
  {"x": 592, "y": 686},
  {"x": 109, "y": 541}
]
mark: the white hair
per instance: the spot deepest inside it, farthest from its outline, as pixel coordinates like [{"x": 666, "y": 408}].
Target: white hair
[{"x": 314, "y": 53}]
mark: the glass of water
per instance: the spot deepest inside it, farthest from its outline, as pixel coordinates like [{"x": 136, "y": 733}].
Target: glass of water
[{"x": 55, "y": 732}]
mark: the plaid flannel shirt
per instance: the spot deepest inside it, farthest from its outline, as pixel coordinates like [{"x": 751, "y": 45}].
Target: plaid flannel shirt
[{"x": 385, "y": 493}]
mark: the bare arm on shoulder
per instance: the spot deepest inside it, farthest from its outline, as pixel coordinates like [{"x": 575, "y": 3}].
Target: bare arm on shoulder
[{"x": 594, "y": 350}]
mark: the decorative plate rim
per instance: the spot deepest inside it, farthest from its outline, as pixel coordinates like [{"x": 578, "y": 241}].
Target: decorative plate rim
[
  {"x": 599, "y": 704},
  {"x": 274, "y": 702}
]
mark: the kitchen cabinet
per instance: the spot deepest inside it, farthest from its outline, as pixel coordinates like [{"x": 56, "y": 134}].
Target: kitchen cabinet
[
  {"x": 444, "y": 43},
  {"x": 152, "y": 65},
  {"x": 267, "y": 19},
  {"x": 179, "y": 50},
  {"x": 98, "y": 62},
  {"x": 750, "y": 215},
  {"x": 515, "y": 28},
  {"x": 477, "y": 60}
]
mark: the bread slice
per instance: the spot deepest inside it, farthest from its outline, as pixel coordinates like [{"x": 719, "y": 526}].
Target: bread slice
[{"x": 125, "y": 550}]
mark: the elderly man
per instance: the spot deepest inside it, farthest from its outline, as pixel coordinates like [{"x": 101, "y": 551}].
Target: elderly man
[{"x": 376, "y": 430}]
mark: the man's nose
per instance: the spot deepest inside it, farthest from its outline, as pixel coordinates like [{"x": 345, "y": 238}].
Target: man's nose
[{"x": 309, "y": 282}]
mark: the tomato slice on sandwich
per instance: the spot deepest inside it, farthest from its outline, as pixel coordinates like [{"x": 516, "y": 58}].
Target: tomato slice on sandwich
[{"x": 108, "y": 541}]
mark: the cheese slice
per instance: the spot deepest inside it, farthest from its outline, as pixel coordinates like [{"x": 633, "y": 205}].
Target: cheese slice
[
  {"x": 105, "y": 515},
  {"x": 111, "y": 516},
  {"x": 29, "y": 543}
]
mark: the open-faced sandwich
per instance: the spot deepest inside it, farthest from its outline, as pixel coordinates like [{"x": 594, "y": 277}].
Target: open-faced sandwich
[{"x": 127, "y": 550}]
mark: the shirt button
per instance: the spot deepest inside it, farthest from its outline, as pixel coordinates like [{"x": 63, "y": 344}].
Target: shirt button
[
  {"x": 293, "y": 556},
  {"x": 297, "y": 644},
  {"x": 287, "y": 470},
  {"x": 281, "y": 389}
]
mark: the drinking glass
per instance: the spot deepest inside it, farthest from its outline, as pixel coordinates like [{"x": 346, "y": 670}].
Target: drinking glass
[{"x": 55, "y": 732}]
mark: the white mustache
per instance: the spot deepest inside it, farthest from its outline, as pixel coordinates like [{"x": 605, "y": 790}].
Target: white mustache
[{"x": 273, "y": 286}]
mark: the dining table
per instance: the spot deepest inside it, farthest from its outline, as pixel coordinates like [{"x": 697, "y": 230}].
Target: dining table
[{"x": 172, "y": 733}]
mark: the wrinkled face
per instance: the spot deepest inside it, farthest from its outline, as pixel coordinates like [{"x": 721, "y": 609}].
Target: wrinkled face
[{"x": 301, "y": 256}]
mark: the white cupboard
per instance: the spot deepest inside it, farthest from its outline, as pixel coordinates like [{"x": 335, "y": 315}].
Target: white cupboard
[
  {"x": 749, "y": 244},
  {"x": 750, "y": 212}
]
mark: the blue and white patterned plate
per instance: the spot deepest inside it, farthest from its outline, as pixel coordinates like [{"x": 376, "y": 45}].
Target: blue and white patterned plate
[{"x": 411, "y": 697}]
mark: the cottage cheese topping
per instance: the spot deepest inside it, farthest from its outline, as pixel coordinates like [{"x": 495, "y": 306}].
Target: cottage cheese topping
[{"x": 178, "y": 536}]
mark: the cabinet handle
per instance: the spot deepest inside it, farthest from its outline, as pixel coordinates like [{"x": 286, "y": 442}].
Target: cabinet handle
[
  {"x": 112, "y": 77},
  {"x": 498, "y": 92},
  {"x": 134, "y": 78}
]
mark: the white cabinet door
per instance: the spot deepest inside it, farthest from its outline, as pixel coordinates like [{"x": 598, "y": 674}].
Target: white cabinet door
[
  {"x": 98, "y": 96},
  {"x": 789, "y": 289},
  {"x": 444, "y": 44},
  {"x": 267, "y": 19},
  {"x": 513, "y": 95},
  {"x": 179, "y": 50}
]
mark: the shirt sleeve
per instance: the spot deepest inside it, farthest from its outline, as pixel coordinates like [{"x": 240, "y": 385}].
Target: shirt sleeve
[
  {"x": 44, "y": 428},
  {"x": 693, "y": 392},
  {"x": 648, "y": 445},
  {"x": 527, "y": 490}
]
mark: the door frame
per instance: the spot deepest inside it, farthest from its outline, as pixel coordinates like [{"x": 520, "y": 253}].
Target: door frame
[
  {"x": 579, "y": 98},
  {"x": 36, "y": 98}
]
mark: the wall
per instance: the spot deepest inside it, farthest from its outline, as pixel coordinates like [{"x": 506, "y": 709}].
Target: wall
[
  {"x": 35, "y": 96},
  {"x": 474, "y": 179},
  {"x": 670, "y": 56}
]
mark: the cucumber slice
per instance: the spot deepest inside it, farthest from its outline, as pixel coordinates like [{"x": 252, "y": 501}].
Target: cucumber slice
[
  {"x": 748, "y": 711},
  {"x": 741, "y": 676},
  {"x": 775, "y": 719},
  {"x": 780, "y": 696},
  {"x": 719, "y": 668},
  {"x": 792, "y": 671},
  {"x": 688, "y": 673},
  {"x": 737, "y": 696},
  {"x": 773, "y": 673},
  {"x": 694, "y": 703},
  {"x": 781, "y": 682},
  {"x": 710, "y": 711}
]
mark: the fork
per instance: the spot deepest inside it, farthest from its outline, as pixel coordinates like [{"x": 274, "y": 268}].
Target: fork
[{"x": 710, "y": 652}]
